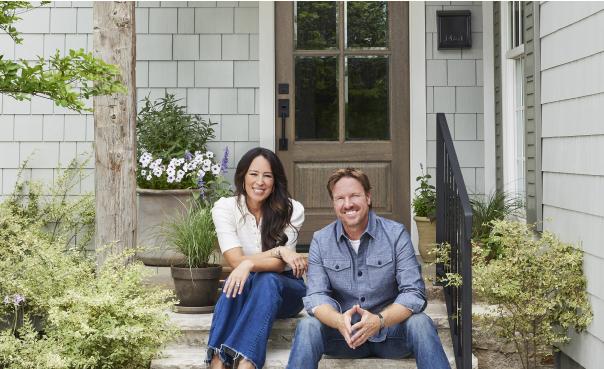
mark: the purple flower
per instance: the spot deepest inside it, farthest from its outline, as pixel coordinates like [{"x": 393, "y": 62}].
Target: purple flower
[
  {"x": 202, "y": 186},
  {"x": 188, "y": 155},
  {"x": 18, "y": 299},
  {"x": 224, "y": 164}
]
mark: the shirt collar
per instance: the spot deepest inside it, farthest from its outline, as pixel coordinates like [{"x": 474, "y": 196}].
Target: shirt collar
[{"x": 370, "y": 230}]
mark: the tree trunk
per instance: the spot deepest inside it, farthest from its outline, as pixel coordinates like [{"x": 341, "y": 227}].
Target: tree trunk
[{"x": 115, "y": 131}]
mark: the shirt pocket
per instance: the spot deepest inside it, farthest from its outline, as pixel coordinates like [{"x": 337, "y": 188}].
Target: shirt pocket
[
  {"x": 339, "y": 272},
  {"x": 381, "y": 271}
]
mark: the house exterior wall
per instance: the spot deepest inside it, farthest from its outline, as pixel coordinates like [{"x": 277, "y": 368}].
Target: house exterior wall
[
  {"x": 454, "y": 86},
  {"x": 206, "y": 53},
  {"x": 572, "y": 97}
]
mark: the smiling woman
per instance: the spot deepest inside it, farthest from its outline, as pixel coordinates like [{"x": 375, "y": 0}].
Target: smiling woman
[{"x": 257, "y": 231}]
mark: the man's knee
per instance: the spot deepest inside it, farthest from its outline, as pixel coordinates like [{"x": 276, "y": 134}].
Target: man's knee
[
  {"x": 309, "y": 328},
  {"x": 419, "y": 324}
]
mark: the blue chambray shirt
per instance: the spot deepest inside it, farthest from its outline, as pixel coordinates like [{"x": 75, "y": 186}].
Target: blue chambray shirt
[{"x": 384, "y": 271}]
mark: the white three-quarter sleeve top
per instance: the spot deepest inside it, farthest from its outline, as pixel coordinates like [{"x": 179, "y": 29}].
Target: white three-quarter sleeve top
[{"x": 236, "y": 226}]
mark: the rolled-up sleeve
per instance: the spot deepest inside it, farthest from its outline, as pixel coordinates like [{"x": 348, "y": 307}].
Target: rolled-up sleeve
[
  {"x": 411, "y": 287},
  {"x": 318, "y": 291},
  {"x": 296, "y": 221},
  {"x": 224, "y": 221}
]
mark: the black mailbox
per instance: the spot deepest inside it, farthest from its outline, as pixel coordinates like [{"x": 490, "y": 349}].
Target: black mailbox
[{"x": 454, "y": 29}]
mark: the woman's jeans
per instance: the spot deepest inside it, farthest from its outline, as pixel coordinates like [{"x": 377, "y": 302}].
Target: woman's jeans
[
  {"x": 415, "y": 336},
  {"x": 241, "y": 325}
]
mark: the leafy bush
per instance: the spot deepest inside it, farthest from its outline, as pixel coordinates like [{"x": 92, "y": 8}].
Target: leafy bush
[
  {"x": 424, "y": 202},
  {"x": 194, "y": 235},
  {"x": 496, "y": 206},
  {"x": 537, "y": 287}
]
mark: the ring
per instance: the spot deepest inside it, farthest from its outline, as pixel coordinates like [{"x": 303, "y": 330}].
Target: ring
[{"x": 237, "y": 284}]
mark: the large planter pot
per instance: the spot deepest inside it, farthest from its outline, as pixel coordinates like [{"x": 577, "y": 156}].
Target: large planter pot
[
  {"x": 154, "y": 208},
  {"x": 197, "y": 287},
  {"x": 426, "y": 230}
]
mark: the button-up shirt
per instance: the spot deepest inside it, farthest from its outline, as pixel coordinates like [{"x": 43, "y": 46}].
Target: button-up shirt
[
  {"x": 384, "y": 271},
  {"x": 236, "y": 226}
]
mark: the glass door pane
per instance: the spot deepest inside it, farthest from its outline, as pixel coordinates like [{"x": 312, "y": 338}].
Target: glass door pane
[
  {"x": 366, "y": 24},
  {"x": 315, "y": 25}
]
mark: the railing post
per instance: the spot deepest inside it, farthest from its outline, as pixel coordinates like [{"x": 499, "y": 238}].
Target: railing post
[{"x": 440, "y": 191}]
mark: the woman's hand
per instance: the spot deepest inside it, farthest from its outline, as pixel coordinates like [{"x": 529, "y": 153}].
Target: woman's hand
[
  {"x": 233, "y": 286},
  {"x": 296, "y": 261}
]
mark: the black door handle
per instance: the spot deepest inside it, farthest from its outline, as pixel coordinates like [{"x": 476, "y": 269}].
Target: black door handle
[{"x": 283, "y": 113}]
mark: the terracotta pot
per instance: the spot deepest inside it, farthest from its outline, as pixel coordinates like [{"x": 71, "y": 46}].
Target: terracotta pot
[
  {"x": 154, "y": 208},
  {"x": 426, "y": 230},
  {"x": 197, "y": 287}
]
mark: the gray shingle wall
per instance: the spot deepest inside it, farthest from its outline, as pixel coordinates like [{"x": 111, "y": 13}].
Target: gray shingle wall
[
  {"x": 454, "y": 86},
  {"x": 204, "y": 52}
]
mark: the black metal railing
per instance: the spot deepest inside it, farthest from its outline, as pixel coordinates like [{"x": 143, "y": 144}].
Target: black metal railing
[{"x": 454, "y": 227}]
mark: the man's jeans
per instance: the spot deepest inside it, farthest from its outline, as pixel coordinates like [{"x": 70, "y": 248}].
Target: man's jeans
[
  {"x": 415, "y": 336},
  {"x": 241, "y": 326}
]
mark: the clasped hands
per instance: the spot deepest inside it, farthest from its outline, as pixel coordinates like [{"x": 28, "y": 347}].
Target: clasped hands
[{"x": 357, "y": 334}]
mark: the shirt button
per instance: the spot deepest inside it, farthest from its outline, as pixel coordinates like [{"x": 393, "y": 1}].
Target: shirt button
[
  {"x": 360, "y": 273},
  {"x": 379, "y": 262},
  {"x": 337, "y": 267},
  {"x": 362, "y": 299}
]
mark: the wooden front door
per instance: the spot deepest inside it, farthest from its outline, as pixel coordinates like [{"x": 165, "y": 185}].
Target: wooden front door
[{"x": 342, "y": 67}]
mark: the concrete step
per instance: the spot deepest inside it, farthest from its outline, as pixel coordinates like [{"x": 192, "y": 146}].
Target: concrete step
[
  {"x": 195, "y": 327},
  {"x": 191, "y": 357}
]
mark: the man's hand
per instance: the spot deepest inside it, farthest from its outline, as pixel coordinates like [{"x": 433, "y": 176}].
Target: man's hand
[
  {"x": 368, "y": 326},
  {"x": 344, "y": 325},
  {"x": 296, "y": 261}
]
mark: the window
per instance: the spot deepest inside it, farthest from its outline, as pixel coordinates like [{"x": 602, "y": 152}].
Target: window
[{"x": 514, "y": 105}]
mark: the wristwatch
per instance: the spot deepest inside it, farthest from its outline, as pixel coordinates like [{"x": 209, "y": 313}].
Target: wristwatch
[{"x": 381, "y": 321}]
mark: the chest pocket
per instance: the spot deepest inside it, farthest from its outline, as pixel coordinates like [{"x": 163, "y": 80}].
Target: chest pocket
[
  {"x": 339, "y": 272},
  {"x": 381, "y": 271}
]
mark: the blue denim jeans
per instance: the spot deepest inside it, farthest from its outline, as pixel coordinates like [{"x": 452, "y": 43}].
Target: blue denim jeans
[
  {"x": 241, "y": 325},
  {"x": 415, "y": 336}
]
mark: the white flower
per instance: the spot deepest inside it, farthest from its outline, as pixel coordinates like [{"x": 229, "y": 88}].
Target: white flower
[
  {"x": 206, "y": 167},
  {"x": 180, "y": 173},
  {"x": 149, "y": 177},
  {"x": 201, "y": 174},
  {"x": 210, "y": 154},
  {"x": 171, "y": 171},
  {"x": 145, "y": 159},
  {"x": 143, "y": 172},
  {"x": 170, "y": 179},
  {"x": 157, "y": 171},
  {"x": 215, "y": 169}
]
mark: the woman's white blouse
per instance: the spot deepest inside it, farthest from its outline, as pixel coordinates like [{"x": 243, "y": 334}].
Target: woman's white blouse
[{"x": 236, "y": 226}]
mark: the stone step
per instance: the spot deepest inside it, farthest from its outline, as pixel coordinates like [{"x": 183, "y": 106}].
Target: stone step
[
  {"x": 195, "y": 327},
  {"x": 191, "y": 357}
]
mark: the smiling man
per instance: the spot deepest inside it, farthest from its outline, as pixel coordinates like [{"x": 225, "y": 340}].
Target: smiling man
[{"x": 365, "y": 292}]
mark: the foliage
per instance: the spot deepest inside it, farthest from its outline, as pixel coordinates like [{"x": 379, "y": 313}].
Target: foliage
[
  {"x": 193, "y": 234},
  {"x": 67, "y": 80},
  {"x": 496, "y": 206},
  {"x": 63, "y": 218},
  {"x": 537, "y": 288},
  {"x": 99, "y": 320},
  {"x": 424, "y": 202}
]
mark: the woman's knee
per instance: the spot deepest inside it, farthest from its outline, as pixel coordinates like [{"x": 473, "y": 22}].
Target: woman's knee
[{"x": 267, "y": 281}]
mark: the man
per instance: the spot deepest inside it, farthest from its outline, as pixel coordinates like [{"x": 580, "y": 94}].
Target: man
[{"x": 365, "y": 292}]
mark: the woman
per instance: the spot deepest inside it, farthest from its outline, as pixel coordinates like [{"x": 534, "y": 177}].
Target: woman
[{"x": 257, "y": 232}]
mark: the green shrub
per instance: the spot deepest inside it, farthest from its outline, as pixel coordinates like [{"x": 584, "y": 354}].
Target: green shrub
[
  {"x": 537, "y": 287},
  {"x": 424, "y": 201}
]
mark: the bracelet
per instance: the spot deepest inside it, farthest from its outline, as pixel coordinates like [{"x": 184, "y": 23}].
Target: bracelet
[
  {"x": 277, "y": 252},
  {"x": 381, "y": 321}
]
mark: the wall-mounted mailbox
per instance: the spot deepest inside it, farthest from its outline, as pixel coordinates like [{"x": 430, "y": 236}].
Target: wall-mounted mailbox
[{"x": 454, "y": 29}]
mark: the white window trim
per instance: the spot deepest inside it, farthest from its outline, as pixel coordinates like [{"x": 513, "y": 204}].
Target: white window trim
[
  {"x": 507, "y": 97},
  {"x": 266, "y": 65}
]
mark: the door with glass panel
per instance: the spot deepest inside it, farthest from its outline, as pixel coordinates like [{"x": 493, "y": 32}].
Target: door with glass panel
[{"x": 343, "y": 100}]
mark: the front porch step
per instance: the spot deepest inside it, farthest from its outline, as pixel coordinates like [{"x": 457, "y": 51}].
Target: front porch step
[
  {"x": 191, "y": 357},
  {"x": 196, "y": 327}
]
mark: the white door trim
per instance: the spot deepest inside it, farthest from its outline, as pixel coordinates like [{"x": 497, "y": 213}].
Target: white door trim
[
  {"x": 488, "y": 67},
  {"x": 266, "y": 65},
  {"x": 417, "y": 103}
]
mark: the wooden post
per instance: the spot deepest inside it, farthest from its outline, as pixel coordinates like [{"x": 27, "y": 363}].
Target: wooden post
[{"x": 115, "y": 130}]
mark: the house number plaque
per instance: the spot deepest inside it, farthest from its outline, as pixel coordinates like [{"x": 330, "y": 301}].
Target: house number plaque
[{"x": 454, "y": 29}]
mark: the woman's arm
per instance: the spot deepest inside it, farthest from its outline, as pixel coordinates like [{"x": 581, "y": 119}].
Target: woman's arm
[{"x": 266, "y": 261}]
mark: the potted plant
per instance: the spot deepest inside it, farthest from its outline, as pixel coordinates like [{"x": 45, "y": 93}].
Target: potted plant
[
  {"x": 174, "y": 168},
  {"x": 196, "y": 280},
  {"x": 424, "y": 207}
]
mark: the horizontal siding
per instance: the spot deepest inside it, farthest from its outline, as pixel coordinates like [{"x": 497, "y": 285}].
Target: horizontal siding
[
  {"x": 573, "y": 80},
  {"x": 576, "y": 227},
  {"x": 557, "y": 15},
  {"x": 585, "y": 349},
  {"x": 571, "y": 155},
  {"x": 553, "y": 55},
  {"x": 575, "y": 117},
  {"x": 574, "y": 192}
]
